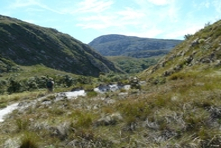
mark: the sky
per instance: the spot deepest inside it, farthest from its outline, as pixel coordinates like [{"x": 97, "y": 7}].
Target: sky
[{"x": 86, "y": 20}]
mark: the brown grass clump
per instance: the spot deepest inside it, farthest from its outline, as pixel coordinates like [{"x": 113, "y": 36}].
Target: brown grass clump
[{"x": 29, "y": 141}]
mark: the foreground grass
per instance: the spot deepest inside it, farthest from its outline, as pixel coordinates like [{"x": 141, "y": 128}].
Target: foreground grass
[{"x": 183, "y": 112}]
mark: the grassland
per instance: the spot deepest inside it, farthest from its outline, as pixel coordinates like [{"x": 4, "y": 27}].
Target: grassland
[{"x": 182, "y": 112}]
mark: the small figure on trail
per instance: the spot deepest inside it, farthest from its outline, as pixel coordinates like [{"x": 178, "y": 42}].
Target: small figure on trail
[
  {"x": 134, "y": 82},
  {"x": 50, "y": 85}
]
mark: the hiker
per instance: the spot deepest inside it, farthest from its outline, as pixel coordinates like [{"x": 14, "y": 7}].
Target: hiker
[
  {"x": 134, "y": 82},
  {"x": 50, "y": 85}
]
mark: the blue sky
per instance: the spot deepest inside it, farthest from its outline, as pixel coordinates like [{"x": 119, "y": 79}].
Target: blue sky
[{"x": 88, "y": 19}]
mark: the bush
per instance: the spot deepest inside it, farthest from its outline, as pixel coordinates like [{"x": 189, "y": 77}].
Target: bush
[
  {"x": 14, "y": 86},
  {"x": 201, "y": 41}
]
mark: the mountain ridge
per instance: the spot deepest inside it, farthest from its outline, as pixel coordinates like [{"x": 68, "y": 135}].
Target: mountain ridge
[{"x": 121, "y": 45}]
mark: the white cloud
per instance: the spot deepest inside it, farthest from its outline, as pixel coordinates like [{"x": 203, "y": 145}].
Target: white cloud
[
  {"x": 173, "y": 13},
  {"x": 23, "y": 3},
  {"x": 94, "y": 6},
  {"x": 202, "y": 5},
  {"x": 206, "y": 4},
  {"x": 217, "y": 5},
  {"x": 130, "y": 14},
  {"x": 180, "y": 32},
  {"x": 104, "y": 22},
  {"x": 27, "y": 3},
  {"x": 97, "y": 26},
  {"x": 120, "y": 18},
  {"x": 160, "y": 2},
  {"x": 96, "y": 22}
]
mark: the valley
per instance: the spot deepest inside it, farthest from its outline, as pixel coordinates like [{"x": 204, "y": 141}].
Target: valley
[{"x": 176, "y": 104}]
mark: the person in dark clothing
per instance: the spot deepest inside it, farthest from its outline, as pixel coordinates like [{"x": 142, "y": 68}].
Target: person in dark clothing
[{"x": 50, "y": 85}]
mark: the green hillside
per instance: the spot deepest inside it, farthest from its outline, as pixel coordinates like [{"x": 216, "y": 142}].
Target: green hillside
[
  {"x": 28, "y": 44},
  {"x": 133, "y": 65}
]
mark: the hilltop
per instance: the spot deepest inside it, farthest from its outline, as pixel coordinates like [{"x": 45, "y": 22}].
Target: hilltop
[
  {"x": 27, "y": 44},
  {"x": 121, "y": 45}
]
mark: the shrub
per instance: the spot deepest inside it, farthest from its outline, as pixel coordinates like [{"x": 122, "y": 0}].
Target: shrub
[
  {"x": 187, "y": 36},
  {"x": 14, "y": 86},
  {"x": 201, "y": 41}
]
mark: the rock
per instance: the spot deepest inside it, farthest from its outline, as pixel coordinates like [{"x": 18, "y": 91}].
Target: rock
[
  {"x": 10, "y": 143},
  {"x": 61, "y": 131},
  {"x": 151, "y": 125},
  {"x": 195, "y": 42}
]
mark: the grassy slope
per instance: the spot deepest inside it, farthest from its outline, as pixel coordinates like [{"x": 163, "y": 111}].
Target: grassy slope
[
  {"x": 133, "y": 65},
  {"x": 35, "y": 70}
]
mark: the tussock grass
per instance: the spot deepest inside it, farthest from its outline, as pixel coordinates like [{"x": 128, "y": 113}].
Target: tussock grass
[
  {"x": 134, "y": 109},
  {"x": 29, "y": 140},
  {"x": 22, "y": 124}
]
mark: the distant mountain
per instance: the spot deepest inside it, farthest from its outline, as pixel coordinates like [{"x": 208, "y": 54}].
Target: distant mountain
[
  {"x": 28, "y": 44},
  {"x": 120, "y": 45}
]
